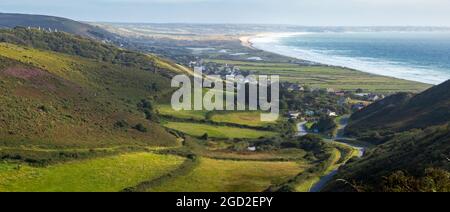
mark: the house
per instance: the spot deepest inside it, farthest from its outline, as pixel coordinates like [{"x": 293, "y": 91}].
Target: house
[
  {"x": 374, "y": 97},
  {"x": 362, "y": 94},
  {"x": 294, "y": 114},
  {"x": 295, "y": 87},
  {"x": 251, "y": 149},
  {"x": 339, "y": 93},
  {"x": 331, "y": 113}
]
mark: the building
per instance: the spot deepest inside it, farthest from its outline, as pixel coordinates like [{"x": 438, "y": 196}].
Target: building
[
  {"x": 331, "y": 113},
  {"x": 294, "y": 114},
  {"x": 295, "y": 87}
]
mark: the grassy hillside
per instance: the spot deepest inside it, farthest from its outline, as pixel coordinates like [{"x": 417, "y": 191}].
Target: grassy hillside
[
  {"x": 413, "y": 137},
  {"x": 412, "y": 161},
  {"x": 402, "y": 112},
  {"x": 104, "y": 174},
  {"x": 68, "y": 98},
  {"x": 8, "y": 20},
  {"x": 232, "y": 176},
  {"x": 222, "y": 132}
]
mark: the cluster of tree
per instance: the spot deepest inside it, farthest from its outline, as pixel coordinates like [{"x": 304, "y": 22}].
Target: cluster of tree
[
  {"x": 326, "y": 125},
  {"x": 148, "y": 108},
  {"x": 319, "y": 101},
  {"x": 310, "y": 143}
]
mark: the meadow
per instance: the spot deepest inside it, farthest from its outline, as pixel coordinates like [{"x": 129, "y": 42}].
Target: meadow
[
  {"x": 166, "y": 110},
  {"x": 221, "y": 132},
  {"x": 232, "y": 176},
  {"x": 108, "y": 174},
  {"x": 252, "y": 119},
  {"x": 327, "y": 76}
]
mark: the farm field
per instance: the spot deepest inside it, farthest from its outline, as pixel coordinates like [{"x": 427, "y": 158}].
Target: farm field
[
  {"x": 221, "y": 132},
  {"x": 252, "y": 119},
  {"x": 328, "y": 77},
  {"x": 167, "y": 110},
  {"x": 232, "y": 176},
  {"x": 101, "y": 175}
]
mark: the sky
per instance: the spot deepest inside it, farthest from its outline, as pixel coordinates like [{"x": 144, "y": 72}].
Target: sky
[{"x": 296, "y": 12}]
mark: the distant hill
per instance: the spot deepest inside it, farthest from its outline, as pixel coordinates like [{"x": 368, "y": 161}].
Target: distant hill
[
  {"x": 402, "y": 112},
  {"x": 60, "y": 90},
  {"x": 8, "y": 20}
]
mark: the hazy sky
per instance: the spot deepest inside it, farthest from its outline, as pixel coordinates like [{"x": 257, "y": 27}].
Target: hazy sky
[{"x": 299, "y": 12}]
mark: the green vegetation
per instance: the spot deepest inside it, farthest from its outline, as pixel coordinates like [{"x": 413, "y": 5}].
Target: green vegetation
[
  {"x": 166, "y": 110},
  {"x": 327, "y": 77},
  {"x": 401, "y": 164},
  {"x": 244, "y": 118},
  {"x": 326, "y": 125},
  {"x": 104, "y": 174},
  {"x": 222, "y": 132},
  {"x": 59, "y": 100},
  {"x": 227, "y": 176},
  {"x": 402, "y": 112}
]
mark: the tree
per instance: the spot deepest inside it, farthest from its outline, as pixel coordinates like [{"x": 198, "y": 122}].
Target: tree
[
  {"x": 205, "y": 136},
  {"x": 140, "y": 127}
]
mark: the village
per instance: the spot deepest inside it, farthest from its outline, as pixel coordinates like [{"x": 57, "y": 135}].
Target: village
[{"x": 316, "y": 110}]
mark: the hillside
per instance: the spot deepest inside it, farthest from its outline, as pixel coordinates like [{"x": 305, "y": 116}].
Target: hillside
[
  {"x": 416, "y": 160},
  {"x": 63, "y": 91},
  {"x": 8, "y": 20},
  {"x": 412, "y": 134},
  {"x": 402, "y": 112}
]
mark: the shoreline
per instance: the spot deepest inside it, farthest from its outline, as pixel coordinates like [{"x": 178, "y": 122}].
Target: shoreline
[{"x": 248, "y": 41}]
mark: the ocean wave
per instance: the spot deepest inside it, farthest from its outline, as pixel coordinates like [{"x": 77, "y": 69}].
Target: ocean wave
[{"x": 272, "y": 43}]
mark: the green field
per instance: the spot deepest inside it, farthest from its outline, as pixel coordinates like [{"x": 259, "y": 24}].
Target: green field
[
  {"x": 328, "y": 77},
  {"x": 102, "y": 175},
  {"x": 244, "y": 118},
  {"x": 167, "y": 110},
  {"x": 232, "y": 176},
  {"x": 222, "y": 132}
]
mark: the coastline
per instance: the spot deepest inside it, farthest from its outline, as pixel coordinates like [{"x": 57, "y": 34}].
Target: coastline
[{"x": 266, "y": 39}]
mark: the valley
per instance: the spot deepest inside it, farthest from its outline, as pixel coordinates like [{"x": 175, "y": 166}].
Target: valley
[{"x": 86, "y": 108}]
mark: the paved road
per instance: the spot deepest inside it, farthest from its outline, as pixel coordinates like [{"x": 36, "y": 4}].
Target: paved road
[
  {"x": 339, "y": 136},
  {"x": 301, "y": 128},
  {"x": 327, "y": 178}
]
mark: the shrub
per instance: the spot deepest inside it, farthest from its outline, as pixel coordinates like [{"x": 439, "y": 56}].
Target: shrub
[
  {"x": 121, "y": 124},
  {"x": 140, "y": 127}
]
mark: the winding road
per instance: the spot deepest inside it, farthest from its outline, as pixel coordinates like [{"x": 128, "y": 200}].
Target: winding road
[{"x": 340, "y": 135}]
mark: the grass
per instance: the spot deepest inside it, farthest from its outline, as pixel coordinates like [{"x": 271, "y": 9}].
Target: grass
[
  {"x": 221, "y": 132},
  {"x": 279, "y": 155},
  {"x": 244, "y": 118},
  {"x": 328, "y": 77},
  {"x": 231, "y": 176},
  {"x": 83, "y": 99},
  {"x": 101, "y": 175},
  {"x": 308, "y": 183},
  {"x": 183, "y": 114}
]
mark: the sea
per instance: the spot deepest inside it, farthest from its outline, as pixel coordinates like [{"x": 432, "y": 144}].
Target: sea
[{"x": 416, "y": 56}]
